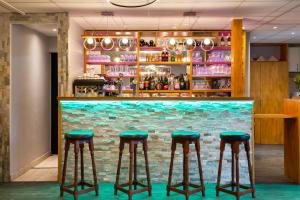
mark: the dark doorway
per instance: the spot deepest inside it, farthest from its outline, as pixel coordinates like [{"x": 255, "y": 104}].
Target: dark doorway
[{"x": 54, "y": 104}]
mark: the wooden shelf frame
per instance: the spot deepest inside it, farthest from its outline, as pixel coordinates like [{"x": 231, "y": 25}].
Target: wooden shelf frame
[{"x": 190, "y": 63}]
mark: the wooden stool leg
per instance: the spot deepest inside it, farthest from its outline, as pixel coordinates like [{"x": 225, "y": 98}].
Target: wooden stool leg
[
  {"x": 197, "y": 147},
  {"x": 186, "y": 150},
  {"x": 91, "y": 148},
  {"x": 131, "y": 151},
  {"x": 145, "y": 148},
  {"x": 134, "y": 167},
  {"x": 232, "y": 169},
  {"x": 121, "y": 148},
  {"x": 82, "y": 166},
  {"x": 173, "y": 149},
  {"x": 67, "y": 146},
  {"x": 76, "y": 151},
  {"x": 236, "y": 150},
  {"x": 247, "y": 148},
  {"x": 222, "y": 148}
]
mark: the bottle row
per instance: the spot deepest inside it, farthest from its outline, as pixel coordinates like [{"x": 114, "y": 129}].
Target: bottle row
[
  {"x": 168, "y": 82},
  {"x": 218, "y": 41},
  {"x": 165, "y": 56},
  {"x": 213, "y": 56},
  {"x": 211, "y": 70},
  {"x": 97, "y": 57},
  {"x": 125, "y": 70}
]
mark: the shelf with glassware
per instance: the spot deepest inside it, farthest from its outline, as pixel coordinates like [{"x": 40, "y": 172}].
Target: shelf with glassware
[{"x": 197, "y": 70}]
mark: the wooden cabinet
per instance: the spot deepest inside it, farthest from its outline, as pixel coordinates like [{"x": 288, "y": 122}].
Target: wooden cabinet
[
  {"x": 294, "y": 59},
  {"x": 269, "y": 88}
]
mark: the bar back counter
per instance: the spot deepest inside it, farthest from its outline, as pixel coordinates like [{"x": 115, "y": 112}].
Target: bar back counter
[{"x": 107, "y": 117}]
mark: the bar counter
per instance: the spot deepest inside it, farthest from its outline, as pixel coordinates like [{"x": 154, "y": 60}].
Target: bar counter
[{"x": 107, "y": 117}]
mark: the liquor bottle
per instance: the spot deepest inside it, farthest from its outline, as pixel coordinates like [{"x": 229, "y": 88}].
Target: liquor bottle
[
  {"x": 173, "y": 57},
  {"x": 176, "y": 84},
  {"x": 141, "y": 84},
  {"x": 181, "y": 82},
  {"x": 146, "y": 83},
  {"x": 222, "y": 40},
  {"x": 163, "y": 56},
  {"x": 186, "y": 81},
  {"x": 171, "y": 82},
  {"x": 166, "y": 83},
  {"x": 152, "y": 83},
  {"x": 229, "y": 40},
  {"x": 158, "y": 84},
  {"x": 167, "y": 57}
]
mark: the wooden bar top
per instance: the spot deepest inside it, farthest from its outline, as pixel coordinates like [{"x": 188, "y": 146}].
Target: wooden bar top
[
  {"x": 274, "y": 116},
  {"x": 155, "y": 98}
]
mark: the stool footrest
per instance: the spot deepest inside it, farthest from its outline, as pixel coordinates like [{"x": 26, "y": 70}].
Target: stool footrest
[
  {"x": 174, "y": 188},
  {"x": 247, "y": 189},
  {"x": 67, "y": 189},
  {"x": 122, "y": 189}
]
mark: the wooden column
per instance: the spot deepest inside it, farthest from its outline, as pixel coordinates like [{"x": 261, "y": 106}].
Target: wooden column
[{"x": 238, "y": 57}]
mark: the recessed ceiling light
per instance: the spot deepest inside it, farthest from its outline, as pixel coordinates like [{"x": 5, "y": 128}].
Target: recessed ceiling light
[
  {"x": 54, "y": 30},
  {"x": 293, "y": 33},
  {"x": 275, "y": 27},
  {"x": 254, "y": 37}
]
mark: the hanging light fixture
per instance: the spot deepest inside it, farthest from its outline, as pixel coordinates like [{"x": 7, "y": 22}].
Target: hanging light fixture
[
  {"x": 132, "y": 4},
  {"x": 171, "y": 44},
  {"x": 107, "y": 43},
  {"x": 125, "y": 43},
  {"x": 89, "y": 43},
  {"x": 207, "y": 44},
  {"x": 189, "y": 44}
]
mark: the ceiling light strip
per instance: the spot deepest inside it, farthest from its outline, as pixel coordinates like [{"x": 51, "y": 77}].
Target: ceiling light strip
[
  {"x": 11, "y": 7},
  {"x": 125, "y": 6}
]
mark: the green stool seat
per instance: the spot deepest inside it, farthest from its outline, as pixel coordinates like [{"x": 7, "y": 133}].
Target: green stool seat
[
  {"x": 79, "y": 134},
  {"x": 190, "y": 135},
  {"x": 134, "y": 134},
  {"x": 232, "y": 136}
]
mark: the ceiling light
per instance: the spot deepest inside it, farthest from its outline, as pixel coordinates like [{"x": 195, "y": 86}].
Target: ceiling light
[
  {"x": 207, "y": 41},
  {"x": 293, "y": 33},
  {"x": 131, "y": 5},
  {"x": 275, "y": 27},
  {"x": 125, "y": 40},
  {"x": 107, "y": 40},
  {"x": 254, "y": 37},
  {"x": 172, "y": 41},
  {"x": 54, "y": 30},
  {"x": 189, "y": 41},
  {"x": 90, "y": 40}
]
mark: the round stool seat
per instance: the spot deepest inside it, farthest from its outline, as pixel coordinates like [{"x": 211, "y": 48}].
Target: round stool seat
[
  {"x": 79, "y": 134},
  {"x": 134, "y": 135},
  {"x": 189, "y": 135},
  {"x": 232, "y": 136}
]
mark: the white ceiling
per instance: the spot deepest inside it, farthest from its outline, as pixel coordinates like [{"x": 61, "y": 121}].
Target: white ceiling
[{"x": 260, "y": 16}]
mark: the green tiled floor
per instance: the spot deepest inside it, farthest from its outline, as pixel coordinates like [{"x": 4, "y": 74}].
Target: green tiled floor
[{"x": 44, "y": 191}]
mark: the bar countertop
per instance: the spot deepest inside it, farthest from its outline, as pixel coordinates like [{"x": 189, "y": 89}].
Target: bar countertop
[{"x": 153, "y": 98}]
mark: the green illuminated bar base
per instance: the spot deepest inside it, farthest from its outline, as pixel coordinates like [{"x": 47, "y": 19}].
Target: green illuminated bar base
[{"x": 107, "y": 117}]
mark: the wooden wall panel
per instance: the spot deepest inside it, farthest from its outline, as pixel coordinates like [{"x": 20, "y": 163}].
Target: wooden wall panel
[
  {"x": 255, "y": 91},
  {"x": 273, "y": 90}
]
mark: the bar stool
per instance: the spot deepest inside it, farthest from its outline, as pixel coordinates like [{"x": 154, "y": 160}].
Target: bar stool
[
  {"x": 235, "y": 139},
  {"x": 132, "y": 138},
  {"x": 78, "y": 138},
  {"x": 185, "y": 138}
]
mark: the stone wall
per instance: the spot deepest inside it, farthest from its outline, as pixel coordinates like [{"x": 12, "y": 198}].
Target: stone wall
[
  {"x": 159, "y": 118},
  {"x": 62, "y": 21}
]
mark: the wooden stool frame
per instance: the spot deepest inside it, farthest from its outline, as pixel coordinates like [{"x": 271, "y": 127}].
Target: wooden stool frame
[
  {"x": 235, "y": 184},
  {"x": 79, "y": 146},
  {"x": 133, "y": 168},
  {"x": 186, "y": 184}
]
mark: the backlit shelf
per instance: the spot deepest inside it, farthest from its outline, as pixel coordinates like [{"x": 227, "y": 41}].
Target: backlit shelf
[
  {"x": 164, "y": 91},
  {"x": 112, "y": 63},
  {"x": 109, "y": 76},
  {"x": 164, "y": 63},
  {"x": 212, "y": 90},
  {"x": 220, "y": 48},
  {"x": 211, "y": 76},
  {"x": 211, "y": 63},
  {"x": 124, "y": 91}
]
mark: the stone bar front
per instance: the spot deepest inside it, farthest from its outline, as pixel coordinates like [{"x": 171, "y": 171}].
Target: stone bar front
[{"x": 107, "y": 117}]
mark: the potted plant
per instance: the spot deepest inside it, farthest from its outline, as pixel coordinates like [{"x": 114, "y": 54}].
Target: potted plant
[{"x": 297, "y": 84}]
